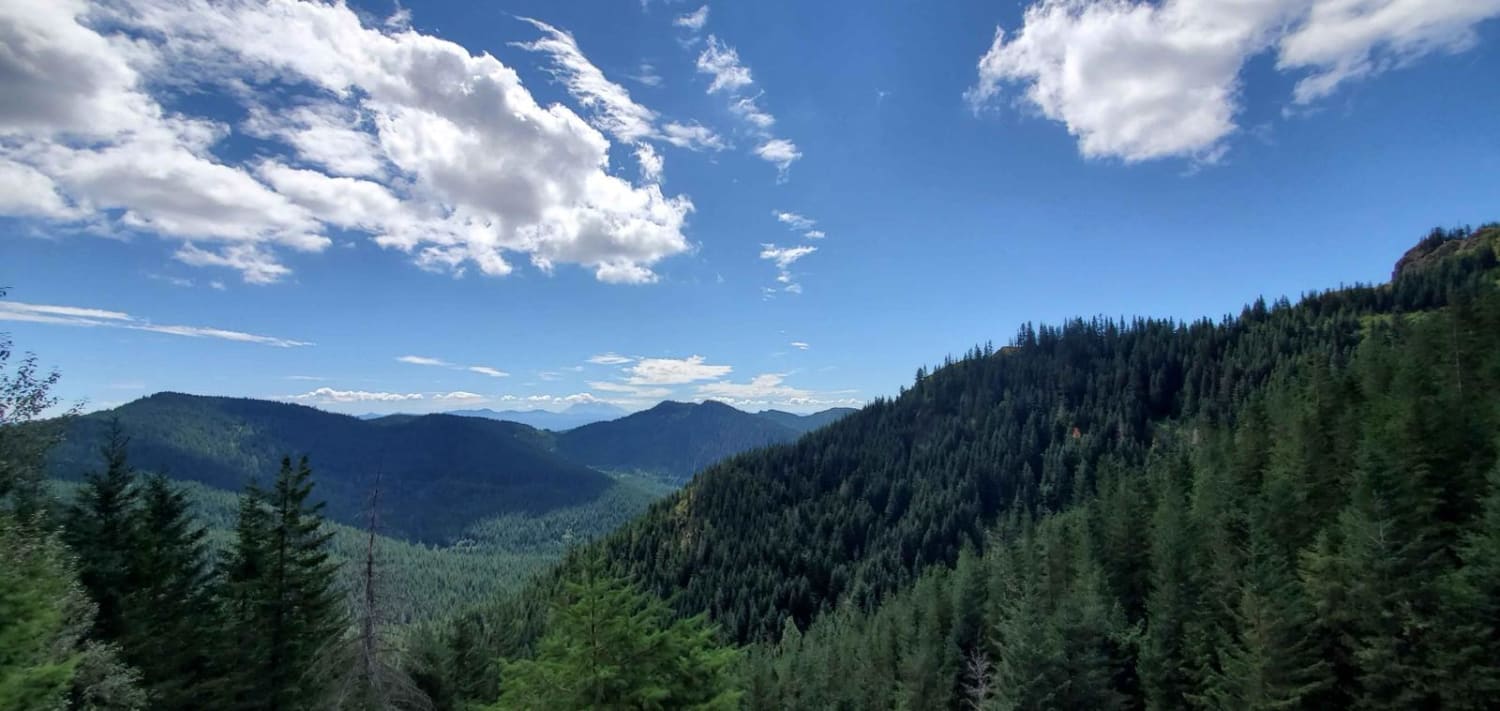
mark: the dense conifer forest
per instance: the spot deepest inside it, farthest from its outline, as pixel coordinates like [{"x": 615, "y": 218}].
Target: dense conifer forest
[
  {"x": 1289, "y": 508},
  {"x": 1294, "y": 507}
]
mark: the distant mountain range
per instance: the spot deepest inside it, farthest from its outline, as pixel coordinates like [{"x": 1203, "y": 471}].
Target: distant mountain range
[
  {"x": 805, "y": 423},
  {"x": 574, "y": 416},
  {"x": 590, "y": 412},
  {"x": 441, "y": 473}
]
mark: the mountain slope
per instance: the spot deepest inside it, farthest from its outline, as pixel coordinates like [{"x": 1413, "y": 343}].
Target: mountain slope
[
  {"x": 440, "y": 472},
  {"x": 805, "y": 423},
  {"x": 858, "y": 509},
  {"x": 672, "y": 440}
]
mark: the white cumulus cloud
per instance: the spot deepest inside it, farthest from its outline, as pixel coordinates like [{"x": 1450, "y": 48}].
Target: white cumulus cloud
[
  {"x": 770, "y": 389},
  {"x": 779, "y": 152},
  {"x": 409, "y": 138},
  {"x": 673, "y": 371},
  {"x": 1140, "y": 80}
]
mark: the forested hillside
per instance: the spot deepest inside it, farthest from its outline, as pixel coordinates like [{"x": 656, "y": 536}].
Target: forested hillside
[
  {"x": 671, "y": 441},
  {"x": 442, "y": 473},
  {"x": 1295, "y": 507},
  {"x": 858, "y": 509}
]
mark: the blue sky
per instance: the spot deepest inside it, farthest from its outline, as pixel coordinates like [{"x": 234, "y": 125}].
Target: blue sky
[{"x": 439, "y": 205}]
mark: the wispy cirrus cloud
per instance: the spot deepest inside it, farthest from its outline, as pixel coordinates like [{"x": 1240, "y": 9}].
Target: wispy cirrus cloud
[
  {"x": 102, "y": 318},
  {"x": 440, "y": 363},
  {"x": 731, "y": 76},
  {"x": 424, "y": 360},
  {"x": 794, "y": 220},
  {"x": 610, "y": 358},
  {"x": 334, "y": 396},
  {"x": 784, "y": 258},
  {"x": 609, "y": 105},
  {"x": 633, "y": 391},
  {"x": 799, "y": 223},
  {"x": 694, "y": 20}
]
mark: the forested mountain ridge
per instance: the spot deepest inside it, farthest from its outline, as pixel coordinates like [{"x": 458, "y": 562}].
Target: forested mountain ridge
[
  {"x": 672, "y": 440},
  {"x": 441, "y": 472},
  {"x": 858, "y": 509}
]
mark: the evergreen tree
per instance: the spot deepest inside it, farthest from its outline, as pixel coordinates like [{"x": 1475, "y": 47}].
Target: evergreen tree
[
  {"x": 1165, "y": 667},
  {"x": 1471, "y": 620},
  {"x": 171, "y": 600},
  {"x": 1273, "y": 663},
  {"x": 101, "y": 529},
  {"x": 1391, "y": 541},
  {"x": 612, "y": 647},
  {"x": 39, "y": 602},
  {"x": 283, "y": 610},
  {"x": 242, "y": 572}
]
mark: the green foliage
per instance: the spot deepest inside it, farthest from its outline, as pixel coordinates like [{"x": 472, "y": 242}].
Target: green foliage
[
  {"x": 609, "y": 646},
  {"x": 902, "y": 485},
  {"x": 46, "y": 660},
  {"x": 40, "y": 606},
  {"x": 281, "y": 608},
  {"x": 1287, "y": 510},
  {"x": 102, "y": 529},
  {"x": 169, "y": 600},
  {"x": 25, "y": 393}
]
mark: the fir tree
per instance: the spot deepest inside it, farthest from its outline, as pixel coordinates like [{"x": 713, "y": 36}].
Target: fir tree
[
  {"x": 285, "y": 613},
  {"x": 1165, "y": 667},
  {"x": 171, "y": 600},
  {"x": 1273, "y": 663},
  {"x": 612, "y": 647},
  {"x": 101, "y": 529}
]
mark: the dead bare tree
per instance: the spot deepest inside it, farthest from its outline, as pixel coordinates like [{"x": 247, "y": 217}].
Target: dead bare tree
[
  {"x": 368, "y": 662},
  {"x": 978, "y": 677}
]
